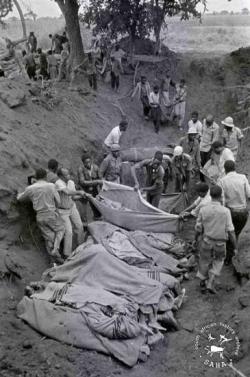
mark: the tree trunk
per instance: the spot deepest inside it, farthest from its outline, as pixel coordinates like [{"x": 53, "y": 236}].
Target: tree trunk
[
  {"x": 19, "y": 9},
  {"x": 157, "y": 33},
  {"x": 70, "y": 10}
]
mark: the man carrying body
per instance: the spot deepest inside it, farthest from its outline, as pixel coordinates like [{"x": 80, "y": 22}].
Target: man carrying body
[
  {"x": 181, "y": 167},
  {"x": 155, "y": 175},
  {"x": 89, "y": 180},
  {"x": 191, "y": 146},
  {"x": 210, "y": 134},
  {"x": 143, "y": 90},
  {"x": 214, "y": 226},
  {"x": 110, "y": 168},
  {"x": 52, "y": 176},
  {"x": 214, "y": 168},
  {"x": 236, "y": 193},
  {"x": 67, "y": 209},
  {"x": 232, "y": 136},
  {"x": 45, "y": 199},
  {"x": 114, "y": 137}
]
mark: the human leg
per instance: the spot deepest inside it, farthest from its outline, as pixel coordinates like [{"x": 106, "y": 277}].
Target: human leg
[
  {"x": 155, "y": 201},
  {"x": 94, "y": 80},
  {"x": 67, "y": 247},
  {"x": 112, "y": 76},
  {"x": 77, "y": 224},
  {"x": 239, "y": 219},
  {"x": 217, "y": 262}
]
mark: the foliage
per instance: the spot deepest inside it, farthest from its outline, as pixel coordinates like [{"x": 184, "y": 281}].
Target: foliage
[
  {"x": 119, "y": 17},
  {"x": 5, "y": 8}
]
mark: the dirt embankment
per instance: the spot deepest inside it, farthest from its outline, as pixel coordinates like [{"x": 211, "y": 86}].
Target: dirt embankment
[{"x": 34, "y": 132}]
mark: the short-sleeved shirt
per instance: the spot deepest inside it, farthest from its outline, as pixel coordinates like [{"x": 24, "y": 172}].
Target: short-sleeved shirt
[
  {"x": 154, "y": 176},
  {"x": 208, "y": 136},
  {"x": 200, "y": 203},
  {"x": 236, "y": 190},
  {"x": 113, "y": 137},
  {"x": 192, "y": 149},
  {"x": 232, "y": 139},
  {"x": 66, "y": 200},
  {"x": 110, "y": 168},
  {"x": 215, "y": 221},
  {"x": 195, "y": 127},
  {"x": 182, "y": 166},
  {"x": 154, "y": 99},
  {"x": 214, "y": 168},
  {"x": 43, "y": 195}
]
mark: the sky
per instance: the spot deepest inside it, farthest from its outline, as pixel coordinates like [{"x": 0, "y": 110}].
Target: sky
[{"x": 44, "y": 8}]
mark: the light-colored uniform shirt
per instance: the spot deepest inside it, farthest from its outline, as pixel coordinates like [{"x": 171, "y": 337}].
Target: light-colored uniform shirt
[
  {"x": 232, "y": 139},
  {"x": 154, "y": 99},
  {"x": 192, "y": 148},
  {"x": 208, "y": 136},
  {"x": 236, "y": 190},
  {"x": 66, "y": 200},
  {"x": 200, "y": 203},
  {"x": 195, "y": 127},
  {"x": 215, "y": 221},
  {"x": 214, "y": 168},
  {"x": 113, "y": 137},
  {"x": 43, "y": 196}
]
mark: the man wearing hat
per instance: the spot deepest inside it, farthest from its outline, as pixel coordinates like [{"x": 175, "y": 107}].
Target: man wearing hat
[
  {"x": 110, "y": 168},
  {"x": 210, "y": 134},
  {"x": 232, "y": 136},
  {"x": 116, "y": 133},
  {"x": 191, "y": 146},
  {"x": 182, "y": 166},
  {"x": 155, "y": 175}
]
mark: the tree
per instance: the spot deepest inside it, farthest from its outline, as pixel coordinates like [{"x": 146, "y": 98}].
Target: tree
[
  {"x": 160, "y": 9},
  {"x": 245, "y": 11},
  {"x": 120, "y": 17},
  {"x": 6, "y": 6},
  {"x": 70, "y": 10}
]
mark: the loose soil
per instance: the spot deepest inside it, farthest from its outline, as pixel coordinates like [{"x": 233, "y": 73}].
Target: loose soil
[{"x": 30, "y": 135}]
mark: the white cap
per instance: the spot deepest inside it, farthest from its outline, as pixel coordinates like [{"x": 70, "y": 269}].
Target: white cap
[
  {"x": 229, "y": 122},
  {"x": 178, "y": 151}
]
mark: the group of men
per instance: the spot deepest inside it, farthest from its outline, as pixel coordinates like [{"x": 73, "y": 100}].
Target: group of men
[
  {"x": 50, "y": 65},
  {"x": 154, "y": 100}
]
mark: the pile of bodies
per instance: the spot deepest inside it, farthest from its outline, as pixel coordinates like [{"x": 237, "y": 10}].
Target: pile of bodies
[{"x": 117, "y": 293}]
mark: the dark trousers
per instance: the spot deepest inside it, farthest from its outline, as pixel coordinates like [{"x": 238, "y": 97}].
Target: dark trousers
[
  {"x": 115, "y": 80},
  {"x": 145, "y": 104},
  {"x": 239, "y": 219},
  {"x": 93, "y": 81},
  {"x": 31, "y": 71},
  {"x": 205, "y": 156},
  {"x": 154, "y": 199},
  {"x": 156, "y": 117}
]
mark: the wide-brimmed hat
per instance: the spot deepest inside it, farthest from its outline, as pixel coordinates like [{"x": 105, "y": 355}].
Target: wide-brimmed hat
[
  {"x": 115, "y": 148},
  {"x": 229, "y": 122},
  {"x": 178, "y": 151}
]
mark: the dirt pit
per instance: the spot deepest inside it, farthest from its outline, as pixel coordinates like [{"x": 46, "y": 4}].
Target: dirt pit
[{"x": 33, "y": 133}]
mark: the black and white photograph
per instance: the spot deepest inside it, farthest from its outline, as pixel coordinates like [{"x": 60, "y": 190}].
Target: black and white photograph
[{"x": 125, "y": 188}]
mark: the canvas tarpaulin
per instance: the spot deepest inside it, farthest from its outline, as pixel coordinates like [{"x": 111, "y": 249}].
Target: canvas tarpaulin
[
  {"x": 139, "y": 248},
  {"x": 124, "y": 207},
  {"x": 92, "y": 276}
]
